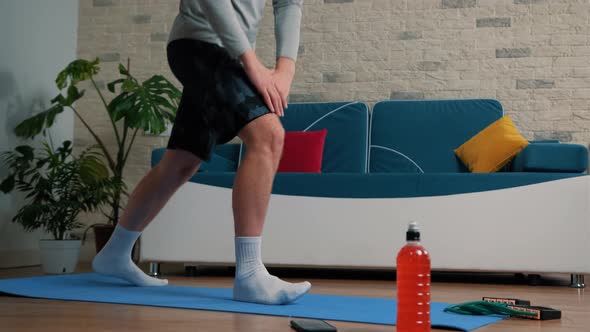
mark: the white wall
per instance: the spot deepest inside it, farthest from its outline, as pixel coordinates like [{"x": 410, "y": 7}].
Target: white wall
[{"x": 37, "y": 39}]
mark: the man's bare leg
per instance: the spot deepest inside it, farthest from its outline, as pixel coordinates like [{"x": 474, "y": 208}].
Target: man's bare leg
[
  {"x": 251, "y": 194},
  {"x": 148, "y": 198}
]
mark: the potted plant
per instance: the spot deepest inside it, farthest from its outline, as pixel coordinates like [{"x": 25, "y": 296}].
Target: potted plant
[
  {"x": 149, "y": 106},
  {"x": 58, "y": 187}
]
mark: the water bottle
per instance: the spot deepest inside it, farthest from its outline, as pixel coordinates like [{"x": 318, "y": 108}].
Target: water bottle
[{"x": 413, "y": 284}]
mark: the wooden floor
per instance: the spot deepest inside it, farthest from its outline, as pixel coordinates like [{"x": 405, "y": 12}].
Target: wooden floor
[{"x": 25, "y": 314}]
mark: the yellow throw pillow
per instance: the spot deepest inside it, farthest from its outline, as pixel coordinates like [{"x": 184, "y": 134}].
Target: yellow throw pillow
[{"x": 493, "y": 147}]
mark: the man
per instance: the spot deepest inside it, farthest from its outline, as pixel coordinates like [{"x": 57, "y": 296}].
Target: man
[{"x": 227, "y": 92}]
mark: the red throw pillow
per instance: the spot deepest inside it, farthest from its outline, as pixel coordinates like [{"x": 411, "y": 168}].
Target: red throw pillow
[{"x": 303, "y": 151}]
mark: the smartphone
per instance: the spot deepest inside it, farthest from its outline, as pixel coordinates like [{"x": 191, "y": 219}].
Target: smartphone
[{"x": 311, "y": 325}]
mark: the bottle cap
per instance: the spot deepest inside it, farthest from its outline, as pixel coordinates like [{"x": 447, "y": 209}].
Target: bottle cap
[{"x": 413, "y": 233}]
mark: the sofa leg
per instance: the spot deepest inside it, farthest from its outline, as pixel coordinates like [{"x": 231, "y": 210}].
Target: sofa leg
[
  {"x": 154, "y": 269},
  {"x": 534, "y": 279},
  {"x": 577, "y": 281},
  {"x": 190, "y": 271}
]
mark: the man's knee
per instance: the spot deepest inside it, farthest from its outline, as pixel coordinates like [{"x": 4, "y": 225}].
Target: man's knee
[
  {"x": 265, "y": 137},
  {"x": 277, "y": 141},
  {"x": 268, "y": 142}
]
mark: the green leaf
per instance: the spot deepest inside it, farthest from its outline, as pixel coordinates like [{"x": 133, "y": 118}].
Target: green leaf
[
  {"x": 149, "y": 106},
  {"x": 26, "y": 151},
  {"x": 59, "y": 99},
  {"x": 123, "y": 70},
  {"x": 8, "y": 184},
  {"x": 50, "y": 119},
  {"x": 34, "y": 125},
  {"x": 120, "y": 106},
  {"x": 73, "y": 95},
  {"x": 67, "y": 144},
  {"x": 164, "y": 102},
  {"x": 41, "y": 163},
  {"x": 129, "y": 85},
  {"x": 111, "y": 86},
  {"x": 61, "y": 80},
  {"x": 62, "y": 153},
  {"x": 77, "y": 71},
  {"x": 92, "y": 170},
  {"x": 30, "y": 215}
]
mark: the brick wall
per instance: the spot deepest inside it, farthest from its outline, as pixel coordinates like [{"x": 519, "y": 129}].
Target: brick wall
[{"x": 532, "y": 55}]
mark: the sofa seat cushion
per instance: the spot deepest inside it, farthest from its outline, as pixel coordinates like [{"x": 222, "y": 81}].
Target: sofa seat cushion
[
  {"x": 388, "y": 185},
  {"x": 223, "y": 159}
]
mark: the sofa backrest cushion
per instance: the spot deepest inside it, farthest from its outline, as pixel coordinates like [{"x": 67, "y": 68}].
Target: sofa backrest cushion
[
  {"x": 347, "y": 123},
  {"x": 345, "y": 148},
  {"x": 420, "y": 136}
]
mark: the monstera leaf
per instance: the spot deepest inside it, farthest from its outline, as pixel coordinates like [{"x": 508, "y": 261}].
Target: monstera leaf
[
  {"x": 77, "y": 71},
  {"x": 36, "y": 124},
  {"x": 147, "y": 106}
]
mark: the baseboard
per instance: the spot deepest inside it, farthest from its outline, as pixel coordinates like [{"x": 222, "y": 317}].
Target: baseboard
[{"x": 19, "y": 258}]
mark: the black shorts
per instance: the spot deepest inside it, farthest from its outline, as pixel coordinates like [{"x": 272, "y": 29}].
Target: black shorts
[{"x": 218, "y": 99}]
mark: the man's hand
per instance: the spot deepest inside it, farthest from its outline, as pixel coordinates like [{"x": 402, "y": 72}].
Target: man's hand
[
  {"x": 264, "y": 81},
  {"x": 283, "y": 78}
]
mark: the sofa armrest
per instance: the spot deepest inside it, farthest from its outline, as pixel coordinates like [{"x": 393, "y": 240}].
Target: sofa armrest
[{"x": 551, "y": 157}]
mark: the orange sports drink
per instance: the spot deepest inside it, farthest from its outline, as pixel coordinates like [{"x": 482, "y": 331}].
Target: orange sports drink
[{"x": 413, "y": 284}]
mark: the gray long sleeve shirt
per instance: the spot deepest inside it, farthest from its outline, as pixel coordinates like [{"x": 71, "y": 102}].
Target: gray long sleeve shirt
[{"x": 233, "y": 24}]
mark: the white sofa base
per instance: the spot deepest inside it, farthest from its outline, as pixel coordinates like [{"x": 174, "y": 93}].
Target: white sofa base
[{"x": 538, "y": 228}]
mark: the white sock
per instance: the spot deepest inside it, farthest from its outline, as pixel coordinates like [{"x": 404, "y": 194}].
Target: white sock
[
  {"x": 115, "y": 259},
  {"x": 253, "y": 283}
]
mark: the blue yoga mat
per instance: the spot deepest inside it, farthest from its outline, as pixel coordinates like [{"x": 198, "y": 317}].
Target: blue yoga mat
[{"x": 97, "y": 288}]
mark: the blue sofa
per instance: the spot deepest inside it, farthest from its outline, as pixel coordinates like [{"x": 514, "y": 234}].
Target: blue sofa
[
  {"x": 405, "y": 150},
  {"x": 400, "y": 154}
]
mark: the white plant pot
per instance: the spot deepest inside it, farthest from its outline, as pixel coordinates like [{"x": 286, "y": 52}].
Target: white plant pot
[{"x": 59, "y": 256}]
